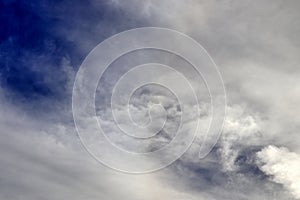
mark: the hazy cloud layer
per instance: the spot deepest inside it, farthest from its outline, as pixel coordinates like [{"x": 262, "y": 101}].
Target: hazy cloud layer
[{"x": 256, "y": 46}]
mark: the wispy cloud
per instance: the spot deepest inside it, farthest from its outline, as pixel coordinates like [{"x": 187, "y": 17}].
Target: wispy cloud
[{"x": 255, "y": 45}]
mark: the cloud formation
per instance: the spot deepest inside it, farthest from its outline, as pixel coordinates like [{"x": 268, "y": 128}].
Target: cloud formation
[
  {"x": 255, "y": 45},
  {"x": 282, "y": 166}
]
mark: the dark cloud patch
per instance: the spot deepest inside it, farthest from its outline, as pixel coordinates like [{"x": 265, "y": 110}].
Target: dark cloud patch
[{"x": 246, "y": 162}]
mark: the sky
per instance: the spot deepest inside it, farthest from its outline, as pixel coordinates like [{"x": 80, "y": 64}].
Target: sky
[{"x": 255, "y": 46}]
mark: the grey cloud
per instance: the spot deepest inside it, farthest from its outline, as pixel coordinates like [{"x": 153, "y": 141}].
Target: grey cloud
[{"x": 256, "y": 47}]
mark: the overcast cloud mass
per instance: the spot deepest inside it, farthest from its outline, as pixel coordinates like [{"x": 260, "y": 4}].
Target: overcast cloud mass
[{"x": 255, "y": 45}]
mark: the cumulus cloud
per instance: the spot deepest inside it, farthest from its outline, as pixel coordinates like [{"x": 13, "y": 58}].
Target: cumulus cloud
[{"x": 282, "y": 166}]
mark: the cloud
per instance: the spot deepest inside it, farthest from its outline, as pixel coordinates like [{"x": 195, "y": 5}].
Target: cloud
[
  {"x": 282, "y": 166},
  {"x": 241, "y": 130},
  {"x": 256, "y": 52},
  {"x": 255, "y": 46},
  {"x": 45, "y": 160}
]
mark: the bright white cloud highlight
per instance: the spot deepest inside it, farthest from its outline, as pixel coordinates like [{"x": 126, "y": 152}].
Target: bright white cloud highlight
[{"x": 283, "y": 166}]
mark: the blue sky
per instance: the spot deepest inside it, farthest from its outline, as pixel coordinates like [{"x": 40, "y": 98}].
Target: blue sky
[
  {"x": 256, "y": 47},
  {"x": 40, "y": 36}
]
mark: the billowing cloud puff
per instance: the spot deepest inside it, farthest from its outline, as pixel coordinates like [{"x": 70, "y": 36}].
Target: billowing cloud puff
[{"x": 283, "y": 166}]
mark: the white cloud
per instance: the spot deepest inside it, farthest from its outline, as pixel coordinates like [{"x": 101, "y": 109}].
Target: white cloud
[
  {"x": 241, "y": 129},
  {"x": 283, "y": 166},
  {"x": 36, "y": 155},
  {"x": 45, "y": 160}
]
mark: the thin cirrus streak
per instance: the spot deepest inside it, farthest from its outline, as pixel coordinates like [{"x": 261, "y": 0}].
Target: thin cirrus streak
[{"x": 93, "y": 68}]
